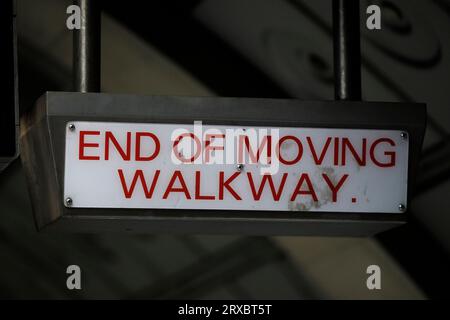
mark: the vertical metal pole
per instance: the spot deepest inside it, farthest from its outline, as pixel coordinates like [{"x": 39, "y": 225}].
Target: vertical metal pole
[
  {"x": 347, "y": 50},
  {"x": 86, "y": 47}
]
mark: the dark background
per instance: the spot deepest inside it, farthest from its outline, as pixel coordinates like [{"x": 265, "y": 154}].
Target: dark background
[{"x": 242, "y": 48}]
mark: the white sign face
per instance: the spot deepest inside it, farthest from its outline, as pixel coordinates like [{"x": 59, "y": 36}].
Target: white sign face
[{"x": 182, "y": 166}]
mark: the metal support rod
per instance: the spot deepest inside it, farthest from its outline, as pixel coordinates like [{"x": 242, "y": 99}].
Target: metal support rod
[
  {"x": 86, "y": 47},
  {"x": 347, "y": 50}
]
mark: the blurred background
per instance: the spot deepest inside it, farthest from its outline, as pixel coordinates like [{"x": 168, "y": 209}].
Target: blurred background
[{"x": 240, "y": 48}]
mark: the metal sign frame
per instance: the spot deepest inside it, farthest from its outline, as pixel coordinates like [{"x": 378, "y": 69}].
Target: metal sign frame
[{"x": 43, "y": 150}]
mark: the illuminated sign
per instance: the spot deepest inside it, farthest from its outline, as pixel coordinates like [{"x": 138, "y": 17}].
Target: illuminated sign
[
  {"x": 106, "y": 162},
  {"x": 175, "y": 166}
]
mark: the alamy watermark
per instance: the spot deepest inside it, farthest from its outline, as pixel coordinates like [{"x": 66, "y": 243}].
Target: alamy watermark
[
  {"x": 73, "y": 281},
  {"x": 374, "y": 280}
]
